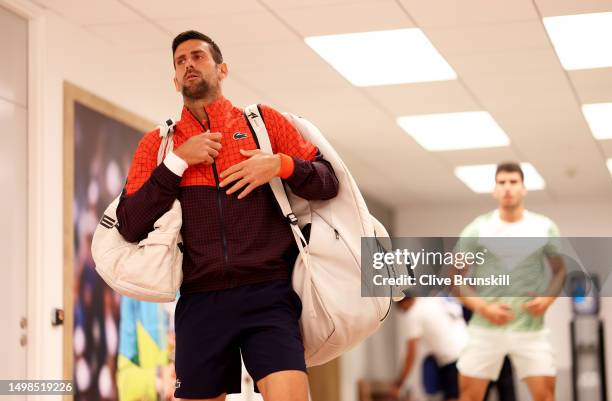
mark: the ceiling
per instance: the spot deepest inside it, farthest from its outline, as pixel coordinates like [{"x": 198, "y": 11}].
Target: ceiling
[{"x": 500, "y": 50}]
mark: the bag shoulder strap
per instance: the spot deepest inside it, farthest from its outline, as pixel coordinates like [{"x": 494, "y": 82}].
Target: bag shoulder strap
[
  {"x": 258, "y": 128},
  {"x": 253, "y": 116},
  {"x": 166, "y": 132}
]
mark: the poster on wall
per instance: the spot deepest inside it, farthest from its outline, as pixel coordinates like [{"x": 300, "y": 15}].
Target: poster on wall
[{"x": 115, "y": 348}]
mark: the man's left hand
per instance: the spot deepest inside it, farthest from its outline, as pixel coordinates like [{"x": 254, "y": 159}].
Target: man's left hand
[
  {"x": 538, "y": 306},
  {"x": 257, "y": 170}
]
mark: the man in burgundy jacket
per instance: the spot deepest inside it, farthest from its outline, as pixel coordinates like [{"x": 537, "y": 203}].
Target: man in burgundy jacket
[{"x": 236, "y": 296}]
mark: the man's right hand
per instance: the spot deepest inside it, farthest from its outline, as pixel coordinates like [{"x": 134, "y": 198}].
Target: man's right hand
[
  {"x": 201, "y": 148},
  {"x": 498, "y": 314}
]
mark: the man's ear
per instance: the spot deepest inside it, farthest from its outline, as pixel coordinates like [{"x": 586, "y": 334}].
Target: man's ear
[
  {"x": 176, "y": 84},
  {"x": 223, "y": 71}
]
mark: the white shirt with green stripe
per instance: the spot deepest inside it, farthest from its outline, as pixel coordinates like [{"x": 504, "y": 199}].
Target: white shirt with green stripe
[{"x": 536, "y": 237}]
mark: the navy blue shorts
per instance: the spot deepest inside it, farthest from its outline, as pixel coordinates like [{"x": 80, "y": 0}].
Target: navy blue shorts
[
  {"x": 449, "y": 381},
  {"x": 213, "y": 328}
]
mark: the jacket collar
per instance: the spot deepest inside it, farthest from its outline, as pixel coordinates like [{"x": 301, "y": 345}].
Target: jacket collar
[{"x": 217, "y": 111}]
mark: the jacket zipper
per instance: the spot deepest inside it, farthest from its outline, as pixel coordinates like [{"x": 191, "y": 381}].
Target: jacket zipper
[{"x": 219, "y": 206}]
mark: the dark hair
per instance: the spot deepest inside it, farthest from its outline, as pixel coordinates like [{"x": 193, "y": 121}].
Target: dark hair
[
  {"x": 510, "y": 167},
  {"x": 188, "y": 35}
]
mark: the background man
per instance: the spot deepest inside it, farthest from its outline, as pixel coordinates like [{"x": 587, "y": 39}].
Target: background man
[
  {"x": 505, "y": 323},
  {"x": 438, "y": 323}
]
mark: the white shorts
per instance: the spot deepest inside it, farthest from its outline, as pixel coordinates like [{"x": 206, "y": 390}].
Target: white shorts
[{"x": 530, "y": 352}]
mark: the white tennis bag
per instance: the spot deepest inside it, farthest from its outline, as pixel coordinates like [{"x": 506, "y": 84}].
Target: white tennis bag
[
  {"x": 151, "y": 270},
  {"x": 327, "y": 275}
]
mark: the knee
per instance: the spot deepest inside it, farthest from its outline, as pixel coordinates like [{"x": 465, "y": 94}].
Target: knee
[
  {"x": 546, "y": 394},
  {"x": 471, "y": 392}
]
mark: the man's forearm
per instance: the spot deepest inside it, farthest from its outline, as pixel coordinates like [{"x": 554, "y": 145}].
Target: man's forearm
[
  {"x": 138, "y": 212},
  {"x": 409, "y": 362},
  {"x": 558, "y": 279},
  {"x": 407, "y": 369},
  {"x": 472, "y": 302},
  {"x": 466, "y": 294}
]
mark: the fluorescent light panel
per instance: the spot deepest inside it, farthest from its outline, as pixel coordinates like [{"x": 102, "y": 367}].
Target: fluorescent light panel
[
  {"x": 481, "y": 178},
  {"x": 599, "y": 117},
  {"x": 383, "y": 57},
  {"x": 581, "y": 41},
  {"x": 452, "y": 131}
]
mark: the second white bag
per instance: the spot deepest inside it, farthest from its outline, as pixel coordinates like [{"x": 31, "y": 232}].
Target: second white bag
[{"x": 327, "y": 274}]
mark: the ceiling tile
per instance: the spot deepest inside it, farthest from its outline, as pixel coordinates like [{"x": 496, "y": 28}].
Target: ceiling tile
[
  {"x": 289, "y": 4},
  {"x": 423, "y": 98},
  {"x": 162, "y": 10},
  {"x": 549, "y": 8},
  {"x": 273, "y": 79},
  {"x": 593, "y": 86},
  {"x": 441, "y": 13},
  {"x": 479, "y": 156},
  {"x": 505, "y": 62},
  {"x": 143, "y": 36},
  {"x": 492, "y": 38},
  {"x": 87, "y": 12},
  {"x": 331, "y": 19},
  {"x": 528, "y": 87},
  {"x": 239, "y": 29},
  {"x": 606, "y": 146},
  {"x": 272, "y": 55}
]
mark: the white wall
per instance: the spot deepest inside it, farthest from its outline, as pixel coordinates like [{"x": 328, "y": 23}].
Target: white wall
[{"x": 587, "y": 218}]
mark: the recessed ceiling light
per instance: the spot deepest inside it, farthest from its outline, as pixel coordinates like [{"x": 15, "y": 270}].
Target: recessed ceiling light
[
  {"x": 383, "y": 57},
  {"x": 481, "y": 178},
  {"x": 581, "y": 41},
  {"x": 452, "y": 131},
  {"x": 599, "y": 117}
]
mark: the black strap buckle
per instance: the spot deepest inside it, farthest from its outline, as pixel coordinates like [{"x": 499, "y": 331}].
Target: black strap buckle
[{"x": 292, "y": 219}]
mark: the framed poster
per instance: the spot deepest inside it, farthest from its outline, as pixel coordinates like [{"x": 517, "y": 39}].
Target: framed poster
[{"x": 108, "y": 340}]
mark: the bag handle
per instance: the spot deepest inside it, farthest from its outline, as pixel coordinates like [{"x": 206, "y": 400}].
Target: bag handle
[
  {"x": 258, "y": 128},
  {"x": 166, "y": 132}
]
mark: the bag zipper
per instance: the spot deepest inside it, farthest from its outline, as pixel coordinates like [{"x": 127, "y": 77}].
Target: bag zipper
[{"x": 373, "y": 300}]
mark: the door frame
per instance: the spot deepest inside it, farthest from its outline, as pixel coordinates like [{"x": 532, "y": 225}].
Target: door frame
[{"x": 35, "y": 310}]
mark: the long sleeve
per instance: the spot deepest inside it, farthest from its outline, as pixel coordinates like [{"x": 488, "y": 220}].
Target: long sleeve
[
  {"x": 313, "y": 177},
  {"x": 313, "y": 180},
  {"x": 149, "y": 192}
]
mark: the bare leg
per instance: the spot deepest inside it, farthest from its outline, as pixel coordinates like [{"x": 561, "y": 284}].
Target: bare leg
[
  {"x": 472, "y": 388},
  {"x": 542, "y": 388},
  {"x": 287, "y": 385}
]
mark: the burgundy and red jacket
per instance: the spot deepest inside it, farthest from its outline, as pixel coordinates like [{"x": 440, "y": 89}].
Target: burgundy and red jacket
[{"x": 227, "y": 241}]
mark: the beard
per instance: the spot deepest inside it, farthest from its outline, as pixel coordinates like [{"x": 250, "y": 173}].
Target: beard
[{"x": 200, "y": 89}]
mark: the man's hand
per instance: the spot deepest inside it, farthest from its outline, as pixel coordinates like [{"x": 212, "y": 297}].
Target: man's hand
[
  {"x": 394, "y": 391},
  {"x": 538, "y": 306},
  {"x": 498, "y": 314},
  {"x": 201, "y": 148},
  {"x": 257, "y": 170}
]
